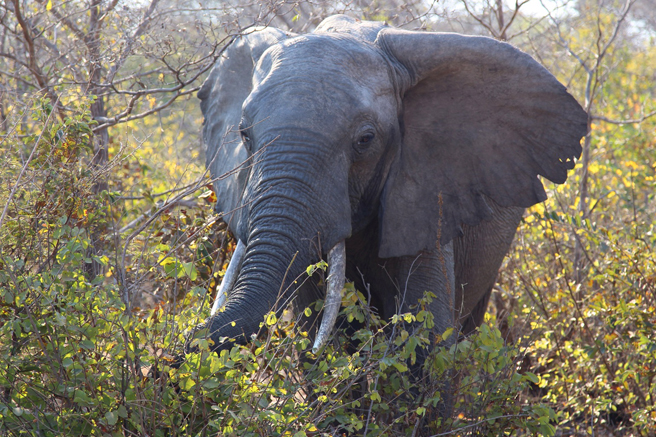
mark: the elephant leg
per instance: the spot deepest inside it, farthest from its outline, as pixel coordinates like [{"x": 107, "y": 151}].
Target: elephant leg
[
  {"x": 475, "y": 317},
  {"x": 428, "y": 271},
  {"x": 398, "y": 283},
  {"x": 478, "y": 254}
]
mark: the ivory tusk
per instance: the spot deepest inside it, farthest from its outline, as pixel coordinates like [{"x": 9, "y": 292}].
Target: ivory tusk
[
  {"x": 230, "y": 277},
  {"x": 337, "y": 269}
]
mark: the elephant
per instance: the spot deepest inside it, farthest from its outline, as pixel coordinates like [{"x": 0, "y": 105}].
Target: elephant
[{"x": 404, "y": 158}]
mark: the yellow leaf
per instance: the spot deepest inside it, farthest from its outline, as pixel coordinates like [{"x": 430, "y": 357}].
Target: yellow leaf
[{"x": 49, "y": 5}]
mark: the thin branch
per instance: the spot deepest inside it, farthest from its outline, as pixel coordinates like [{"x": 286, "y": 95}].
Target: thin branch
[
  {"x": 126, "y": 292},
  {"x": 109, "y": 9},
  {"x": 530, "y": 27},
  {"x": 163, "y": 193},
  {"x": 480, "y": 20},
  {"x": 145, "y": 19},
  {"x": 125, "y": 116},
  {"x": 29, "y": 42},
  {"x": 131, "y": 77},
  {"x": 6, "y": 73},
  {"x": 518, "y": 5},
  {"x": 563, "y": 43},
  {"x": 22, "y": 172},
  {"x": 480, "y": 422},
  {"x": 184, "y": 203},
  {"x": 65, "y": 21},
  {"x": 630, "y": 121},
  {"x": 625, "y": 12}
]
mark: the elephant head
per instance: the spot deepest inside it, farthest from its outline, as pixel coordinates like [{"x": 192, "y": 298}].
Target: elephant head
[{"x": 406, "y": 156}]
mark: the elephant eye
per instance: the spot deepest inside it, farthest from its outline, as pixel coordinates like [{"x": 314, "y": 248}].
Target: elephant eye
[
  {"x": 366, "y": 139},
  {"x": 244, "y": 132},
  {"x": 245, "y": 137}
]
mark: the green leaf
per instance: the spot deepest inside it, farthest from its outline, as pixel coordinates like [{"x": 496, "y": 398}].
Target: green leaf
[
  {"x": 211, "y": 383},
  {"x": 547, "y": 430},
  {"x": 130, "y": 395},
  {"x": 190, "y": 270},
  {"x": 321, "y": 265},
  {"x": 87, "y": 344},
  {"x": 111, "y": 417},
  {"x": 172, "y": 268},
  {"x": 401, "y": 367},
  {"x": 81, "y": 398},
  {"x": 187, "y": 383},
  {"x": 532, "y": 377},
  {"x": 121, "y": 411}
]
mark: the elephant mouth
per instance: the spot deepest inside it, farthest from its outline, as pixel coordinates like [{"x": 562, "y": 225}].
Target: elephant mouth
[{"x": 335, "y": 286}]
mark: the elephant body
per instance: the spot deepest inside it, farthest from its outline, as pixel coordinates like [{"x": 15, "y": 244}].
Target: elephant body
[{"x": 415, "y": 151}]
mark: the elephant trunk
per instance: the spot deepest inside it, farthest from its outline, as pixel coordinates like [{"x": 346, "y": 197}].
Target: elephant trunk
[
  {"x": 281, "y": 244},
  {"x": 333, "y": 300},
  {"x": 267, "y": 271}
]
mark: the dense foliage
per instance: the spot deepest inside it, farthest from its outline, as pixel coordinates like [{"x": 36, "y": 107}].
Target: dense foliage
[{"x": 104, "y": 263}]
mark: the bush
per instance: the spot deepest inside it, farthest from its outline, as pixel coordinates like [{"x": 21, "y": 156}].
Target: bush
[
  {"x": 591, "y": 338},
  {"x": 96, "y": 287},
  {"x": 81, "y": 354}
]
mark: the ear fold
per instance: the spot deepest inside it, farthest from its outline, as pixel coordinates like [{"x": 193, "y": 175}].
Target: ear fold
[
  {"x": 481, "y": 120},
  {"x": 222, "y": 96}
]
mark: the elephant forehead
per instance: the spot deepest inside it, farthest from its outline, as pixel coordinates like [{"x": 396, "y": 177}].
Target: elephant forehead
[{"x": 331, "y": 61}]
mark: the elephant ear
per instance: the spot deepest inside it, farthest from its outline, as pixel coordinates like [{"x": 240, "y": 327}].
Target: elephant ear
[
  {"x": 481, "y": 119},
  {"x": 222, "y": 96}
]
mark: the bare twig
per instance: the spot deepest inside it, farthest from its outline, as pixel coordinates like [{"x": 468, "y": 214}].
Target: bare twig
[
  {"x": 628, "y": 121},
  {"x": 125, "y": 115},
  {"x": 480, "y": 422},
  {"x": 22, "y": 172},
  {"x": 129, "y": 43}
]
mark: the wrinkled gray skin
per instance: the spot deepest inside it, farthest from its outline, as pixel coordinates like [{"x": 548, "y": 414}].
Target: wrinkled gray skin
[{"x": 420, "y": 150}]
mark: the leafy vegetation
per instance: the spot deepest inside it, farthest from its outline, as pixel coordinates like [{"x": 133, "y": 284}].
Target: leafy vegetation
[{"x": 105, "y": 262}]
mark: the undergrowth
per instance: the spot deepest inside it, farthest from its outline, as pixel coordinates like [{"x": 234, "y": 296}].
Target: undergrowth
[{"x": 93, "y": 313}]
